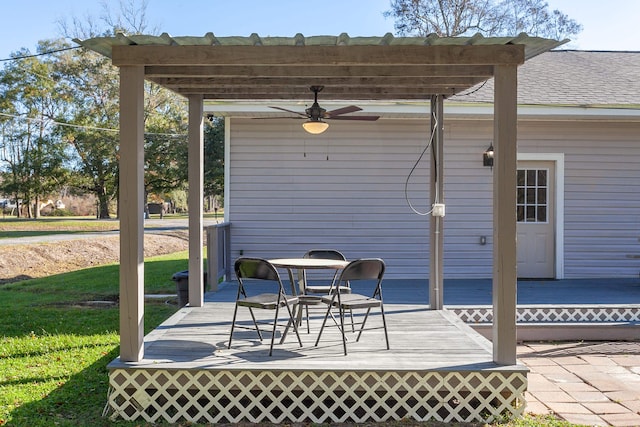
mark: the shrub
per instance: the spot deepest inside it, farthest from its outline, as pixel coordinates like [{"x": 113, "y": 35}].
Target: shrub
[{"x": 58, "y": 212}]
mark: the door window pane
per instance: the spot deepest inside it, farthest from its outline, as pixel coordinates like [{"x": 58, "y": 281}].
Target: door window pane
[
  {"x": 542, "y": 177},
  {"x": 542, "y": 196},
  {"x": 532, "y": 193},
  {"x": 542, "y": 213},
  {"x": 531, "y": 214}
]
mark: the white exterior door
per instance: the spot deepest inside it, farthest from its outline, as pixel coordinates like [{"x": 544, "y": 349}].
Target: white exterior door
[{"x": 535, "y": 214}]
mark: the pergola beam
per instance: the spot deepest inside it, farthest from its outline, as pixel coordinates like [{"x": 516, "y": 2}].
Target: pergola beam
[
  {"x": 344, "y": 93},
  {"x": 318, "y": 71},
  {"x": 304, "y": 81},
  {"x": 318, "y": 55}
]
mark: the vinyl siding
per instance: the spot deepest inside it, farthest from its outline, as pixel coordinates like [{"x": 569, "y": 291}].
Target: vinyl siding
[
  {"x": 290, "y": 192},
  {"x": 469, "y": 205},
  {"x": 602, "y": 193}
]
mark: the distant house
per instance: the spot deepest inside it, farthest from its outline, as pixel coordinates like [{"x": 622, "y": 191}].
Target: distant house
[{"x": 351, "y": 187}]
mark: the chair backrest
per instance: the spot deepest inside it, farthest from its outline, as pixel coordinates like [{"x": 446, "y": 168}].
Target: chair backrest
[
  {"x": 325, "y": 254},
  {"x": 255, "y": 268},
  {"x": 363, "y": 269}
]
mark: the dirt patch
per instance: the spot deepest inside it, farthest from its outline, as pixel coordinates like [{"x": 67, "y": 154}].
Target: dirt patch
[{"x": 21, "y": 262}]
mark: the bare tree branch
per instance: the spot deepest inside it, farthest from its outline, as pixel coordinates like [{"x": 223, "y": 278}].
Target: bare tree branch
[{"x": 450, "y": 18}]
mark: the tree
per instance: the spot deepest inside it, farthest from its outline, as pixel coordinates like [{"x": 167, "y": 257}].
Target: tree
[
  {"x": 450, "y": 18},
  {"x": 94, "y": 87},
  {"x": 33, "y": 156},
  {"x": 166, "y": 149},
  {"x": 214, "y": 158}
]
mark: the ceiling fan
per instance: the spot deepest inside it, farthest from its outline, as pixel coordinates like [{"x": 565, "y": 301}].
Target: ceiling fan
[{"x": 316, "y": 115}]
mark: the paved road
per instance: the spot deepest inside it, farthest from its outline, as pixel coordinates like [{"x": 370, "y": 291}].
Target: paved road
[{"x": 152, "y": 226}]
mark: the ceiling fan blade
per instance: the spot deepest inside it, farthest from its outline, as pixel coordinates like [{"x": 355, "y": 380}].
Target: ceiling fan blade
[
  {"x": 289, "y": 111},
  {"x": 279, "y": 117},
  {"x": 363, "y": 118},
  {"x": 343, "y": 110}
]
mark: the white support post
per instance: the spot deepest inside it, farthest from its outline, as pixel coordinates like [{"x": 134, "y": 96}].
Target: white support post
[
  {"x": 436, "y": 224},
  {"x": 196, "y": 197},
  {"x": 505, "y": 133},
  {"x": 131, "y": 192}
]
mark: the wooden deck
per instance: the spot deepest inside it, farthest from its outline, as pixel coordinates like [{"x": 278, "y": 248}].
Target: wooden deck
[
  {"x": 197, "y": 338},
  {"x": 437, "y": 368}
]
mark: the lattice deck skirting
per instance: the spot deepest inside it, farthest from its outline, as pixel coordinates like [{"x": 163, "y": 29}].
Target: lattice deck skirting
[
  {"x": 206, "y": 396},
  {"x": 437, "y": 368},
  {"x": 553, "y": 313}
]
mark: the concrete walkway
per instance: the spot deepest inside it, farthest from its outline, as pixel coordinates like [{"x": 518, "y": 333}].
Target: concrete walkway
[{"x": 587, "y": 383}]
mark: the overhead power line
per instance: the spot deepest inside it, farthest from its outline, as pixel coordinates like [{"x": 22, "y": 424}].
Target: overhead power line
[
  {"x": 49, "y": 52},
  {"x": 176, "y": 135}
]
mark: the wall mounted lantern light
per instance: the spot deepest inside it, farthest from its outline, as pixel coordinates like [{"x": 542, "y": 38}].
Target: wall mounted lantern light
[
  {"x": 315, "y": 126},
  {"x": 487, "y": 156}
]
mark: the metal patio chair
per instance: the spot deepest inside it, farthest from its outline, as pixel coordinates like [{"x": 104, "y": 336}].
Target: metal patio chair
[
  {"x": 311, "y": 294},
  {"x": 357, "y": 270},
  {"x": 250, "y": 270},
  {"x": 323, "y": 289}
]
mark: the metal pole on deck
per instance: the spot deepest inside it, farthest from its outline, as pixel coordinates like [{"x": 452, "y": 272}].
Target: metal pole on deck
[{"x": 436, "y": 223}]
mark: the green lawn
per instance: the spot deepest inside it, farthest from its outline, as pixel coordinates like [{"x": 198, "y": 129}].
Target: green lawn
[
  {"x": 12, "y": 227},
  {"x": 54, "y": 349},
  {"x": 15, "y": 234},
  {"x": 21, "y": 227}
]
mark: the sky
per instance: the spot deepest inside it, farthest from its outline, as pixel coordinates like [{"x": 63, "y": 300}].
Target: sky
[{"x": 25, "y": 22}]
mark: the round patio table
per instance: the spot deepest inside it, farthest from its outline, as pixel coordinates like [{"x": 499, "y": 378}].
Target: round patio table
[{"x": 306, "y": 264}]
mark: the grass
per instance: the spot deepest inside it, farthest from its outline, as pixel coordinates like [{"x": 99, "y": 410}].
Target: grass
[
  {"x": 21, "y": 227},
  {"x": 54, "y": 350},
  {"x": 16, "y": 234},
  {"x": 12, "y": 227}
]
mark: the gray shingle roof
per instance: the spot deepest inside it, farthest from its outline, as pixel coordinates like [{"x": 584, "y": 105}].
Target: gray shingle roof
[{"x": 575, "y": 78}]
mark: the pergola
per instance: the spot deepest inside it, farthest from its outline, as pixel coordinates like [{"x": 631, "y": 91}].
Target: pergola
[{"x": 283, "y": 68}]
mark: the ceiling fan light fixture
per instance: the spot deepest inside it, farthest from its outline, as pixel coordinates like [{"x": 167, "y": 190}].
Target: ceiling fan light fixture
[{"x": 315, "y": 126}]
